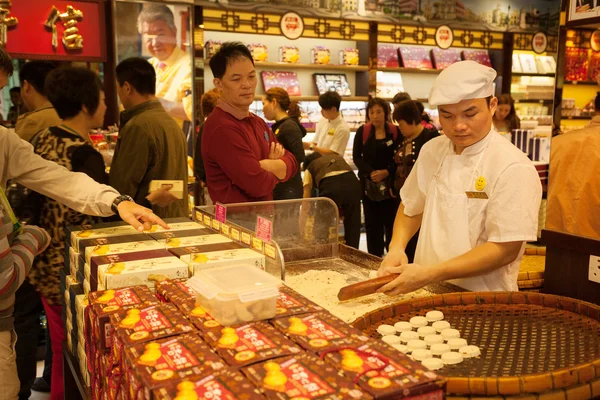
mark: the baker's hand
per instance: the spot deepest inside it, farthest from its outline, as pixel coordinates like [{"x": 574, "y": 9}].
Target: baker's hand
[
  {"x": 394, "y": 258},
  {"x": 277, "y": 151},
  {"x": 139, "y": 217},
  {"x": 379, "y": 175},
  {"x": 412, "y": 277},
  {"x": 162, "y": 196}
]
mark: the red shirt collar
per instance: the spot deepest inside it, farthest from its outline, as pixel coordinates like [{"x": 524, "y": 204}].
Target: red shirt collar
[{"x": 229, "y": 109}]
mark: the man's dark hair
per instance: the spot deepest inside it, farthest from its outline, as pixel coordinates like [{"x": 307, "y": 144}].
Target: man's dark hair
[
  {"x": 139, "y": 73},
  {"x": 597, "y": 102},
  {"x": 408, "y": 112},
  {"x": 70, "y": 89},
  {"x": 309, "y": 159},
  {"x": 378, "y": 101},
  {"x": 35, "y": 73},
  {"x": 400, "y": 96},
  {"x": 488, "y": 100},
  {"x": 229, "y": 52},
  {"x": 6, "y": 64},
  {"x": 329, "y": 100},
  {"x": 15, "y": 89}
]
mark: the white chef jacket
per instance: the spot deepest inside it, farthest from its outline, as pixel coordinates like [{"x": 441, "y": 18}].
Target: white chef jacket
[
  {"x": 510, "y": 213},
  {"x": 332, "y": 135}
]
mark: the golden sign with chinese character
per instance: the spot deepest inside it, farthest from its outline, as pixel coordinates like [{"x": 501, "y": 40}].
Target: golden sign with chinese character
[
  {"x": 72, "y": 40},
  {"x": 6, "y": 21}
]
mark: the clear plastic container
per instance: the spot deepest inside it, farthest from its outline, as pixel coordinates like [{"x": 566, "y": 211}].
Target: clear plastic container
[{"x": 236, "y": 294}]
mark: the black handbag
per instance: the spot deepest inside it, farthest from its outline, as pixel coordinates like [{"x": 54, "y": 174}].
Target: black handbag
[{"x": 377, "y": 191}]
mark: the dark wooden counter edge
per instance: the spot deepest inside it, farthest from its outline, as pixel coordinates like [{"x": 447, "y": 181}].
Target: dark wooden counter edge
[
  {"x": 567, "y": 241},
  {"x": 75, "y": 388}
]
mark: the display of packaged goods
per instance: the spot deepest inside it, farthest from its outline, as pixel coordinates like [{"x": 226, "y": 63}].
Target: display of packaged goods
[
  {"x": 198, "y": 317},
  {"x": 165, "y": 362},
  {"x": 349, "y": 57},
  {"x": 387, "y": 56},
  {"x": 211, "y": 47},
  {"x": 78, "y": 233},
  {"x": 81, "y": 303},
  {"x": 594, "y": 70},
  {"x": 318, "y": 332},
  {"x": 516, "y": 64},
  {"x": 289, "y": 54},
  {"x": 388, "y": 84},
  {"x": 104, "y": 304},
  {"x": 142, "y": 272},
  {"x": 260, "y": 53},
  {"x": 187, "y": 241},
  {"x": 480, "y": 56},
  {"x": 208, "y": 248},
  {"x": 279, "y": 379},
  {"x": 199, "y": 230},
  {"x": 236, "y": 294},
  {"x": 539, "y": 149},
  {"x": 528, "y": 63},
  {"x": 414, "y": 57},
  {"x": 225, "y": 384},
  {"x": 397, "y": 375},
  {"x": 320, "y": 55},
  {"x": 332, "y": 83},
  {"x": 520, "y": 138},
  {"x": 251, "y": 343},
  {"x": 176, "y": 224},
  {"x": 175, "y": 290},
  {"x": 290, "y": 302},
  {"x": 548, "y": 64},
  {"x": 175, "y": 187},
  {"x": 201, "y": 261},
  {"x": 283, "y": 79},
  {"x": 576, "y": 64},
  {"x": 442, "y": 59}
]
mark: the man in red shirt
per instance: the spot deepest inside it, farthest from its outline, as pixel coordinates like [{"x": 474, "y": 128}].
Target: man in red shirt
[{"x": 242, "y": 158}]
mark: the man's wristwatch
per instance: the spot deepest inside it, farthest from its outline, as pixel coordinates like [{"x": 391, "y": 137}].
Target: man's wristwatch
[{"x": 118, "y": 200}]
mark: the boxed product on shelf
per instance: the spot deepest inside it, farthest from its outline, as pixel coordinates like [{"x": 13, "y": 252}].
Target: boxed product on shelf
[
  {"x": 206, "y": 248},
  {"x": 165, "y": 362},
  {"x": 278, "y": 379},
  {"x": 388, "y": 84},
  {"x": 166, "y": 235},
  {"x": 576, "y": 64},
  {"x": 548, "y": 64},
  {"x": 539, "y": 149},
  {"x": 259, "y": 51},
  {"x": 199, "y": 318},
  {"x": 400, "y": 378},
  {"x": 175, "y": 187},
  {"x": 318, "y": 332},
  {"x": 211, "y": 47},
  {"x": 290, "y": 302},
  {"x": 187, "y": 241},
  {"x": 320, "y": 55},
  {"x": 289, "y": 54},
  {"x": 528, "y": 63},
  {"x": 387, "y": 56},
  {"x": 349, "y": 57},
  {"x": 174, "y": 290},
  {"x": 241, "y": 346},
  {"x": 480, "y": 56},
  {"x": 442, "y": 59},
  {"x": 520, "y": 138},
  {"x": 75, "y": 234},
  {"x": 287, "y": 80},
  {"x": 332, "y": 83},
  {"x": 415, "y": 57},
  {"x": 594, "y": 66},
  {"x": 516, "y": 63},
  {"x": 201, "y": 261},
  {"x": 226, "y": 383}
]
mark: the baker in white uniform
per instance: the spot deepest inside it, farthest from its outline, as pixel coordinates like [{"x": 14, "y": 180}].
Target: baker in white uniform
[{"x": 473, "y": 194}]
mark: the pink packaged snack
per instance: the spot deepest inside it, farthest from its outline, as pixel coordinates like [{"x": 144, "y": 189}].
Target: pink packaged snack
[{"x": 286, "y": 80}]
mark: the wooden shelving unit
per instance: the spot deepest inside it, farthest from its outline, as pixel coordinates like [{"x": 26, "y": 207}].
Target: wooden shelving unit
[
  {"x": 316, "y": 98},
  {"x": 551, "y": 75},
  {"x": 580, "y": 117},
  {"x": 316, "y": 67},
  {"x": 594, "y": 83},
  {"x": 410, "y": 70},
  {"x": 540, "y": 101}
]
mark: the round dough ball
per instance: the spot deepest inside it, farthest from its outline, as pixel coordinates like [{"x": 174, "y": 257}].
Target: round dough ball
[
  {"x": 452, "y": 358},
  {"x": 426, "y": 331},
  {"x": 406, "y": 336},
  {"x": 432, "y": 364},
  {"x": 457, "y": 343},
  {"x": 439, "y": 349},
  {"x": 448, "y": 334},
  {"x": 433, "y": 316},
  {"x": 441, "y": 325},
  {"x": 433, "y": 339},
  {"x": 469, "y": 351},
  {"x": 391, "y": 339},
  {"x": 418, "y": 322},
  {"x": 372, "y": 274},
  {"x": 403, "y": 326},
  {"x": 416, "y": 344},
  {"x": 421, "y": 354},
  {"x": 386, "y": 329},
  {"x": 401, "y": 348}
]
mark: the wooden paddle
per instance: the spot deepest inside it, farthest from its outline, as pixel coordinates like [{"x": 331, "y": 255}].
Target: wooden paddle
[{"x": 364, "y": 288}]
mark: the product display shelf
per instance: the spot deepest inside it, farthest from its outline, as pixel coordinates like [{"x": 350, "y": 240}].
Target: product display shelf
[
  {"x": 580, "y": 117},
  {"x": 532, "y": 74},
  {"x": 316, "y": 98},
  {"x": 75, "y": 387},
  {"x": 593, "y": 83},
  {"x": 541, "y": 101},
  {"x": 409, "y": 70},
  {"x": 312, "y": 67}
]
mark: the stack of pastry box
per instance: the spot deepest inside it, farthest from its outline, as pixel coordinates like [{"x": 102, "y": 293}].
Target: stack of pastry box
[
  {"x": 113, "y": 255},
  {"x": 154, "y": 341}
]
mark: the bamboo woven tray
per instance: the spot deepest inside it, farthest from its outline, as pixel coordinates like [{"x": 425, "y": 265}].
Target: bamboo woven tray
[{"x": 530, "y": 342}]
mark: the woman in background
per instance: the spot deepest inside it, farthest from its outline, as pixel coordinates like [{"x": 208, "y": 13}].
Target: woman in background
[{"x": 505, "y": 118}]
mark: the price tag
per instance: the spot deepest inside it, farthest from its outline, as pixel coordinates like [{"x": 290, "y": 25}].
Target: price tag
[
  {"x": 257, "y": 244},
  {"x": 270, "y": 251},
  {"x": 225, "y": 229},
  {"x": 235, "y": 234},
  {"x": 216, "y": 225},
  {"x": 207, "y": 221},
  {"x": 198, "y": 216},
  {"x": 264, "y": 228},
  {"x": 220, "y": 213},
  {"x": 246, "y": 238}
]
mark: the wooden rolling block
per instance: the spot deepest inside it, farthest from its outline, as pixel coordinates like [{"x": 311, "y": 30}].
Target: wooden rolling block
[{"x": 364, "y": 288}]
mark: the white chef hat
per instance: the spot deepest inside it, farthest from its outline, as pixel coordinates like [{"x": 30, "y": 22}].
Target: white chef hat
[{"x": 463, "y": 80}]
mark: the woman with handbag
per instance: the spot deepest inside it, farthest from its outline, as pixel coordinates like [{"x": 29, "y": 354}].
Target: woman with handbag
[{"x": 373, "y": 153}]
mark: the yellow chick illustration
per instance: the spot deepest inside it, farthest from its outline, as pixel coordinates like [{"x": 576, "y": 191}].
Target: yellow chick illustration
[
  {"x": 173, "y": 242},
  {"x": 351, "y": 360},
  {"x": 101, "y": 250},
  {"x": 325, "y": 59},
  {"x": 84, "y": 234},
  {"x": 275, "y": 379},
  {"x": 107, "y": 296},
  {"x": 297, "y": 327},
  {"x": 262, "y": 56},
  {"x": 198, "y": 312},
  {"x": 132, "y": 318},
  {"x": 151, "y": 354},
  {"x": 186, "y": 391},
  {"x": 116, "y": 268},
  {"x": 200, "y": 258},
  {"x": 153, "y": 229},
  {"x": 294, "y": 58},
  {"x": 353, "y": 60},
  {"x": 229, "y": 338}
]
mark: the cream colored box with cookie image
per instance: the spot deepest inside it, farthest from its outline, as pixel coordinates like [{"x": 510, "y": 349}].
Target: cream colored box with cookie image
[
  {"x": 120, "y": 248},
  {"x": 175, "y": 187},
  {"x": 189, "y": 241},
  {"x": 213, "y": 259},
  {"x": 141, "y": 272}
]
